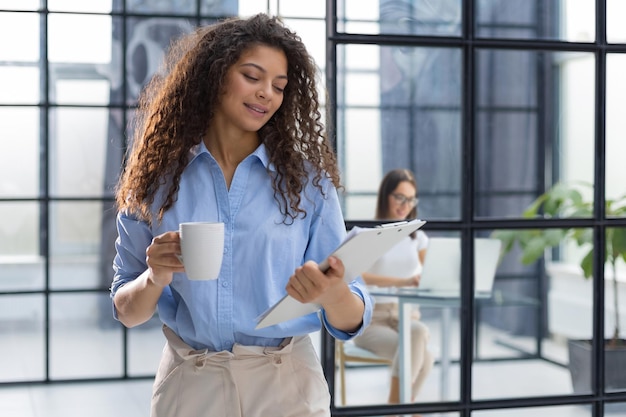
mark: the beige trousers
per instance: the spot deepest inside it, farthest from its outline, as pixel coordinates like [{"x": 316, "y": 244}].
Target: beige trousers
[
  {"x": 250, "y": 381},
  {"x": 381, "y": 337}
]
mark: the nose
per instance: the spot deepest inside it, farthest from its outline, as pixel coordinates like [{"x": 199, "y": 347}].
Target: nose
[{"x": 264, "y": 92}]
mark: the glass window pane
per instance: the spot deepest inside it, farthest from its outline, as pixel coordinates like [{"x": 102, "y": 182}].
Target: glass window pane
[
  {"x": 413, "y": 120},
  {"x": 19, "y": 152},
  {"x": 82, "y": 91},
  {"x": 164, "y": 7},
  {"x": 567, "y": 20},
  {"x": 19, "y": 227},
  {"x": 615, "y": 28},
  {"x": 22, "y": 340},
  {"x": 19, "y": 85},
  {"x": 615, "y": 126},
  {"x": 78, "y": 151},
  {"x": 19, "y": 5},
  {"x": 615, "y": 310},
  {"x": 509, "y": 325},
  {"x": 76, "y": 259},
  {"x": 362, "y": 175},
  {"x": 407, "y": 17},
  {"x": 95, "y": 80},
  {"x": 313, "y": 35},
  {"x": 84, "y": 343},
  {"x": 224, "y": 7},
  {"x": 298, "y": 8},
  {"x": 535, "y": 124},
  {"x": 21, "y": 272},
  {"x": 79, "y": 38},
  {"x": 251, "y": 7},
  {"x": 145, "y": 346},
  {"x": 550, "y": 262},
  {"x": 148, "y": 38},
  {"x": 615, "y": 409},
  {"x": 414, "y": 319},
  {"x": 22, "y": 26},
  {"x": 552, "y": 411},
  {"x": 99, "y": 6}
]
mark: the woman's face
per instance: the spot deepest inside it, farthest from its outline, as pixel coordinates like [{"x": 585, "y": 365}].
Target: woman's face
[
  {"x": 402, "y": 200},
  {"x": 254, "y": 87}
]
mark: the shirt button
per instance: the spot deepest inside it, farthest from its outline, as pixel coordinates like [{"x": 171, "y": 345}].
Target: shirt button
[
  {"x": 225, "y": 284},
  {"x": 225, "y": 250}
]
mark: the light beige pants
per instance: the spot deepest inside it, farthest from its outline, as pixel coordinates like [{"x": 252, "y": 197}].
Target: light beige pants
[
  {"x": 250, "y": 381},
  {"x": 381, "y": 337}
]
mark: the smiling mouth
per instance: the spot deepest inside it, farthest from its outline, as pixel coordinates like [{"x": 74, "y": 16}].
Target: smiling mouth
[{"x": 256, "y": 109}]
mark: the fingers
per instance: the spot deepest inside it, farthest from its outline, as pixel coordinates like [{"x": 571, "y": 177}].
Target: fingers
[
  {"x": 304, "y": 284},
  {"x": 162, "y": 256},
  {"x": 337, "y": 268},
  {"x": 309, "y": 284}
]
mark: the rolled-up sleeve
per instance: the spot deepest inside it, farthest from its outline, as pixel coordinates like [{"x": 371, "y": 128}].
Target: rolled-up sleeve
[
  {"x": 357, "y": 287},
  {"x": 134, "y": 236}
]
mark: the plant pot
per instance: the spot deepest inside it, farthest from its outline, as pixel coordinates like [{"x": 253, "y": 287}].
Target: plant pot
[{"x": 580, "y": 363}]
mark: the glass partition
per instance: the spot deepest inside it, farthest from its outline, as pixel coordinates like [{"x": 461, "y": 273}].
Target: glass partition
[
  {"x": 541, "y": 301},
  {"x": 566, "y": 20},
  {"x": 614, "y": 311},
  {"x": 22, "y": 331},
  {"x": 615, "y": 29},
  {"x": 80, "y": 347},
  {"x": 400, "y": 107},
  {"x": 406, "y": 17},
  {"x": 615, "y": 170},
  {"x": 535, "y": 125},
  {"x": 553, "y": 411}
]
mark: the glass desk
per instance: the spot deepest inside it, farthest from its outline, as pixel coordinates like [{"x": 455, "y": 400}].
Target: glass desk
[{"x": 410, "y": 296}]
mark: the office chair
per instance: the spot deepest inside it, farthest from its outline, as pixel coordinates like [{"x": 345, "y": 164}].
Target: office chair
[{"x": 349, "y": 352}]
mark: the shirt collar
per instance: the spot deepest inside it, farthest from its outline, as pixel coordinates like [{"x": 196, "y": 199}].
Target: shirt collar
[{"x": 260, "y": 153}]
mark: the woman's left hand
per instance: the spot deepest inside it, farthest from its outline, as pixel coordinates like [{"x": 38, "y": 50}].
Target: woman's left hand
[
  {"x": 310, "y": 285},
  {"x": 344, "y": 310}
]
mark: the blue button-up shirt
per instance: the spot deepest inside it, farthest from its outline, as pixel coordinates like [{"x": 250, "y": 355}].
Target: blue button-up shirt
[{"x": 261, "y": 252}]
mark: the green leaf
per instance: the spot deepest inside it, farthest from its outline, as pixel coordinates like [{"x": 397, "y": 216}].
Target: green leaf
[
  {"x": 587, "y": 264},
  {"x": 618, "y": 242},
  {"x": 582, "y": 236},
  {"x": 553, "y": 237},
  {"x": 533, "y": 250}
]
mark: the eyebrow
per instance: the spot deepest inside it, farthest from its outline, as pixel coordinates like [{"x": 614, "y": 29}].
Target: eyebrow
[{"x": 260, "y": 68}]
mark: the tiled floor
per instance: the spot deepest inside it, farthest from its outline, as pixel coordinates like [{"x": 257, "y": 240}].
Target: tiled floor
[
  {"x": 365, "y": 385},
  {"x": 119, "y": 399}
]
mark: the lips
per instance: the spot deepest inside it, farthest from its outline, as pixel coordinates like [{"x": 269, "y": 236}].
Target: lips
[{"x": 258, "y": 109}]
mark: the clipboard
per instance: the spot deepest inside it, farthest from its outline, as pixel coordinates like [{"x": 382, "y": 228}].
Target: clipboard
[{"x": 361, "y": 248}]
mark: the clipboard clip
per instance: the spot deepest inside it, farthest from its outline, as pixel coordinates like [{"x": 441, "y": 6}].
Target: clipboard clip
[{"x": 394, "y": 224}]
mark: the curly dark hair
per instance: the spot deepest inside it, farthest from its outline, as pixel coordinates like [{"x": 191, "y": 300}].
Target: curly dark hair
[{"x": 177, "y": 107}]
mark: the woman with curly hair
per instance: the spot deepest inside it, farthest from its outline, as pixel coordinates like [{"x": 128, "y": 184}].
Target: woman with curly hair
[{"x": 230, "y": 131}]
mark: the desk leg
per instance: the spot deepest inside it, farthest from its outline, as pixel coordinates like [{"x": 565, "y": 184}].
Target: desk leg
[
  {"x": 404, "y": 354},
  {"x": 446, "y": 314}
]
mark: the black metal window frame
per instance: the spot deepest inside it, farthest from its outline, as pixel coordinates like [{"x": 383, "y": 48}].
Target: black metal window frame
[{"x": 469, "y": 223}]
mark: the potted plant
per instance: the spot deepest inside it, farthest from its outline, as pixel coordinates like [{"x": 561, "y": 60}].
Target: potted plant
[{"x": 562, "y": 201}]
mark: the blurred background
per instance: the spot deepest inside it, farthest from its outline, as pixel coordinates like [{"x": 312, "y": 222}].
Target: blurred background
[{"x": 490, "y": 102}]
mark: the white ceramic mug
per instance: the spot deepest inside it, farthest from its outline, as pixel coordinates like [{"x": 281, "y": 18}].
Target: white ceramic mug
[{"x": 202, "y": 247}]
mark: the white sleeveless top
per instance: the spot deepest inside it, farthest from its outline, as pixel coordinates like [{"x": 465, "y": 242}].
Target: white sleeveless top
[{"x": 401, "y": 261}]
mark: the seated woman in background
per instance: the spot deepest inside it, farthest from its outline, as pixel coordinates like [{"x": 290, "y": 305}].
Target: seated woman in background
[{"x": 400, "y": 267}]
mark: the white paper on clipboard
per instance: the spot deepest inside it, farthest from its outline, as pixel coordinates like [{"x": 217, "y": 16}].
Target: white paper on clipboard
[{"x": 361, "y": 248}]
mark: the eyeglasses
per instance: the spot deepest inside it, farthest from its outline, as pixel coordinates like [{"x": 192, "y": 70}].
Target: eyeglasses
[{"x": 402, "y": 199}]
